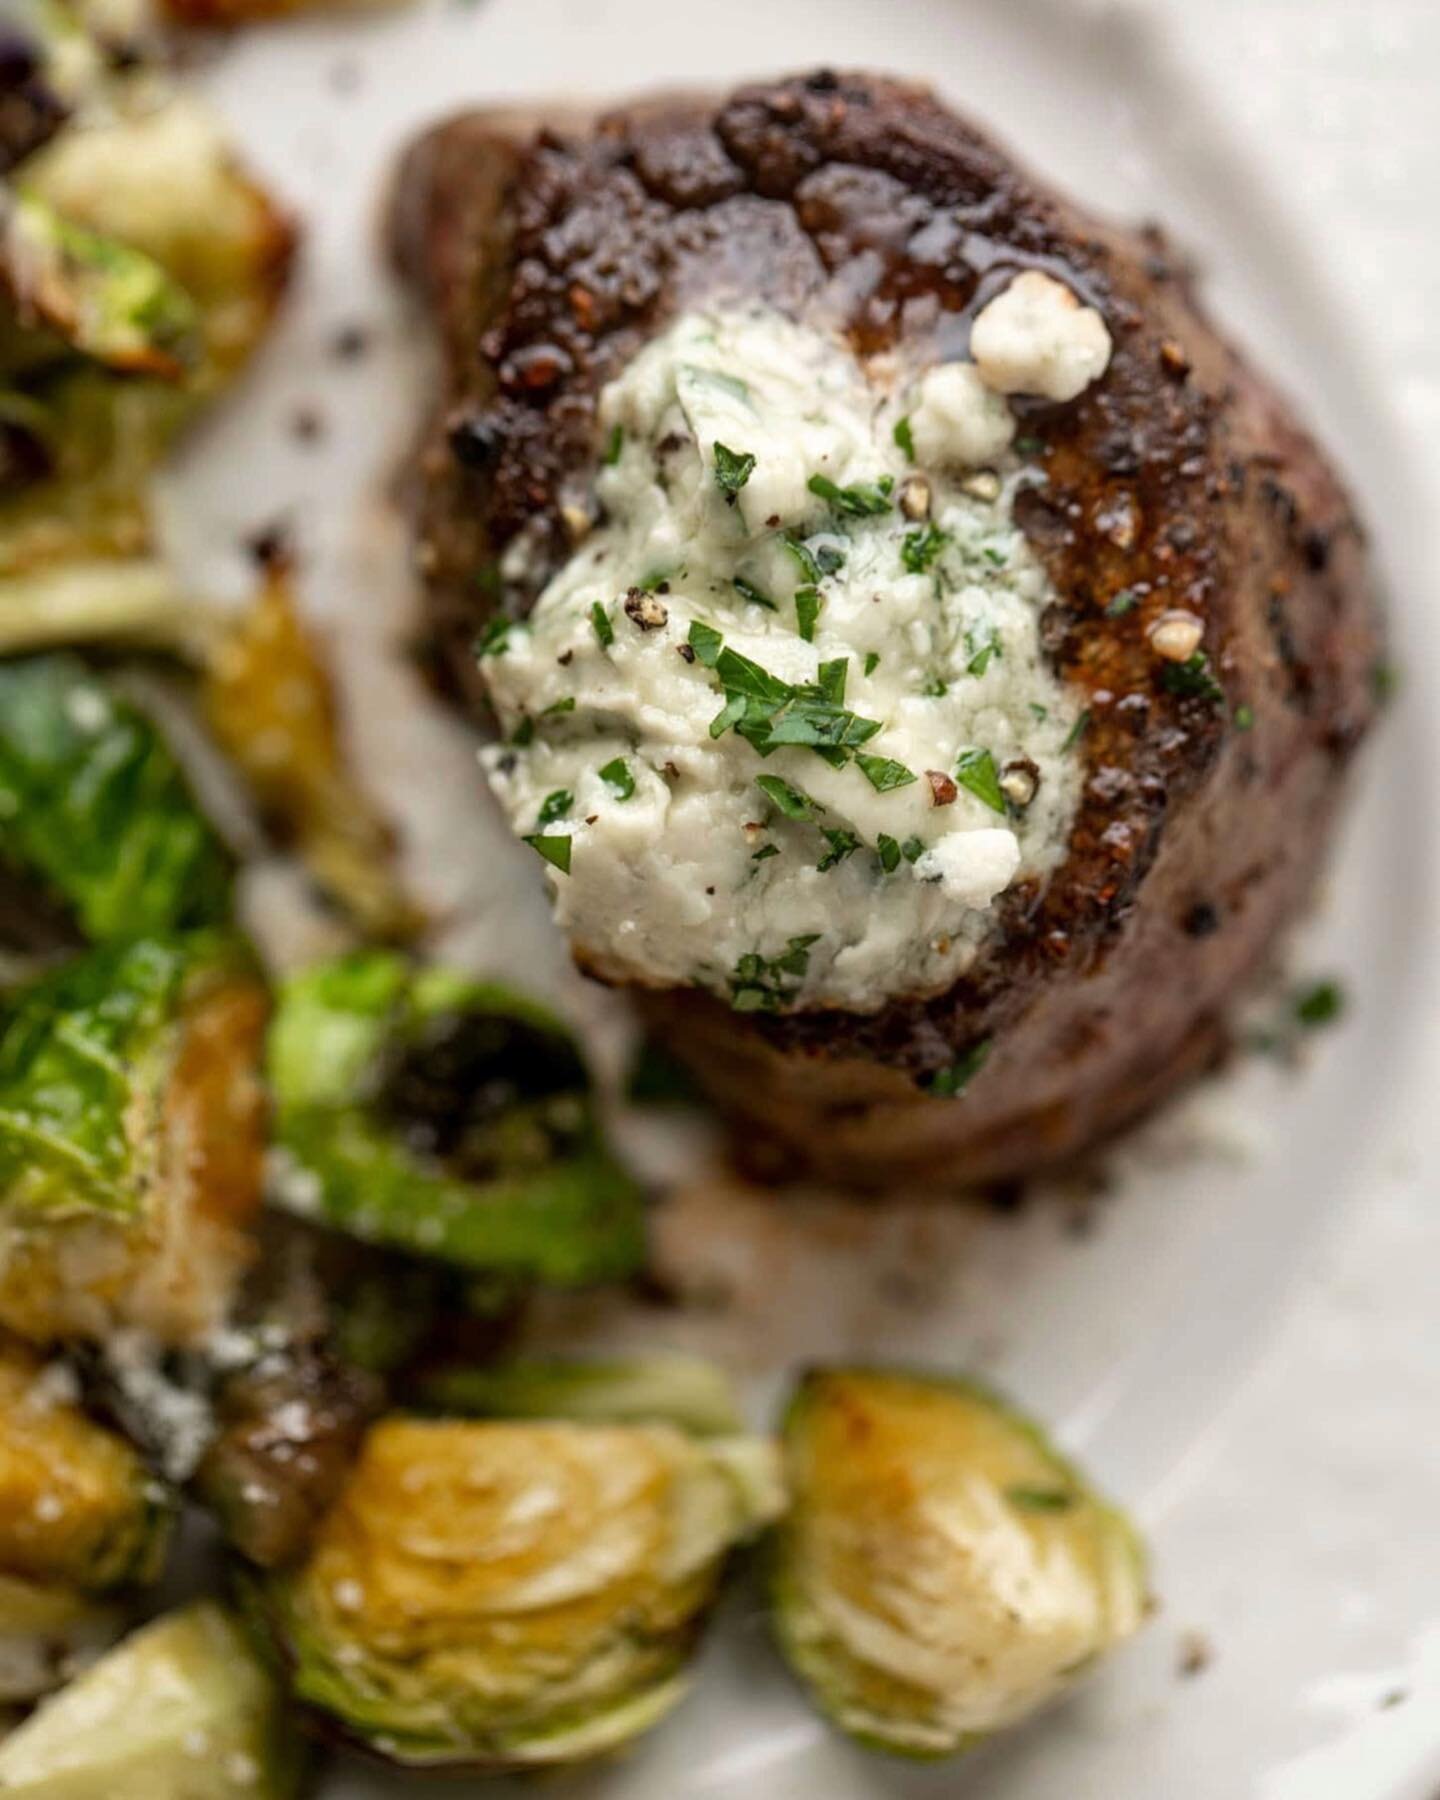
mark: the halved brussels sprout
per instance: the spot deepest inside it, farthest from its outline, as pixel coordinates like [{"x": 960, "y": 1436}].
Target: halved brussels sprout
[
  {"x": 943, "y": 1572},
  {"x": 182, "y": 1710},
  {"x": 98, "y": 814},
  {"x": 81, "y": 1518},
  {"x": 508, "y": 1595},
  {"x": 78, "y": 1508},
  {"x": 271, "y": 703},
  {"x": 684, "y": 1391},
  {"x": 130, "y": 1140},
  {"x": 424, "y": 1110},
  {"x": 104, "y": 299}
]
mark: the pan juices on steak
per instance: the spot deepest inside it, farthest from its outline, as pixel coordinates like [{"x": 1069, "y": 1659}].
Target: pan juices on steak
[{"x": 924, "y": 655}]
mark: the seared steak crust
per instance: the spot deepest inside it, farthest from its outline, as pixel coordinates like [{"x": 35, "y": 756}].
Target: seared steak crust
[{"x": 1178, "y": 481}]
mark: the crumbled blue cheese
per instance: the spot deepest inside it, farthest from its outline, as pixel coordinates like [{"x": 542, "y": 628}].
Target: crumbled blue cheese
[
  {"x": 1036, "y": 338},
  {"x": 755, "y": 582}
]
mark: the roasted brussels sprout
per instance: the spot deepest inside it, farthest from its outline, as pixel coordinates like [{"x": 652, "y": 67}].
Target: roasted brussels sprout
[
  {"x": 504, "y": 1595},
  {"x": 182, "y": 1710},
  {"x": 942, "y": 1572},
  {"x": 144, "y": 268},
  {"x": 109, "y": 302},
  {"x": 684, "y": 1391},
  {"x": 130, "y": 1140},
  {"x": 81, "y": 1518},
  {"x": 421, "y": 1109},
  {"x": 98, "y": 814}
]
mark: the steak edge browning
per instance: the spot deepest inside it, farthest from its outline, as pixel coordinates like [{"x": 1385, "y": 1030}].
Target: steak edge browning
[{"x": 549, "y": 251}]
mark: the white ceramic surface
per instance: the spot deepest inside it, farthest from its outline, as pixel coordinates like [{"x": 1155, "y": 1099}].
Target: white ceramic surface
[{"x": 1244, "y": 1346}]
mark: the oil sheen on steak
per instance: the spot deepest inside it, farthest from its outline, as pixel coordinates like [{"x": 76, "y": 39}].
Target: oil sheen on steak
[{"x": 548, "y": 251}]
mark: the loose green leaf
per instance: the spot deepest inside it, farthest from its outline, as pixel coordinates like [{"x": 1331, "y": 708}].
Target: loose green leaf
[
  {"x": 733, "y": 468},
  {"x": 600, "y": 623},
  {"x": 842, "y": 844},
  {"x": 494, "y": 638},
  {"x": 982, "y": 643},
  {"x": 554, "y": 806},
  {"x": 807, "y": 611},
  {"x": 747, "y": 590},
  {"x": 975, "y": 770},
  {"x": 786, "y": 799},
  {"x": 872, "y": 661},
  {"x": 889, "y": 853},
  {"x": 765, "y": 852},
  {"x": 912, "y": 849},
  {"x": 905, "y": 438},
  {"x": 883, "y": 773},
  {"x": 617, "y": 776},
  {"x": 706, "y": 642},
  {"x": 759, "y": 984},
  {"x": 1320, "y": 1004},
  {"x": 919, "y": 549},
  {"x": 558, "y": 708},
  {"x": 951, "y": 1082},
  {"x": 556, "y": 850},
  {"x": 864, "y": 500}
]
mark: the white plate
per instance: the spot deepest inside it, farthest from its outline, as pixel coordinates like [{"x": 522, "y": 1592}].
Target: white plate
[{"x": 1132, "y": 1338}]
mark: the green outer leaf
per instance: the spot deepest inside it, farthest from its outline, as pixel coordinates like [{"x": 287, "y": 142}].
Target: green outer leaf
[
  {"x": 663, "y": 1389},
  {"x": 84, "y": 1055},
  {"x": 575, "y": 1219},
  {"x": 95, "y": 807}
]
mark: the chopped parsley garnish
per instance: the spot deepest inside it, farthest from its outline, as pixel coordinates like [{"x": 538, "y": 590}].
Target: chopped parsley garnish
[
  {"x": 785, "y": 798},
  {"x": 975, "y": 769},
  {"x": 842, "y": 844},
  {"x": 947, "y": 1084},
  {"x": 1040, "y": 1499},
  {"x": 1077, "y": 730},
  {"x": 759, "y": 984},
  {"x": 830, "y": 559},
  {"x": 865, "y": 500},
  {"x": 1029, "y": 446},
  {"x": 883, "y": 773},
  {"x": 554, "y": 806},
  {"x": 555, "y": 850},
  {"x": 1320, "y": 1004},
  {"x": 1244, "y": 718},
  {"x": 747, "y": 590},
  {"x": 706, "y": 642},
  {"x": 936, "y": 688},
  {"x": 982, "y": 644},
  {"x": 912, "y": 849},
  {"x": 995, "y": 558},
  {"x": 832, "y": 676},
  {"x": 918, "y": 549},
  {"x": 1042, "y": 713},
  {"x": 617, "y": 776},
  {"x": 889, "y": 853},
  {"x": 733, "y": 468},
  {"x": 905, "y": 437},
  {"x": 556, "y": 707},
  {"x": 872, "y": 661},
  {"x": 768, "y": 712},
  {"x": 614, "y": 447},
  {"x": 1125, "y": 601},
  {"x": 1384, "y": 681},
  {"x": 600, "y": 622},
  {"x": 807, "y": 560},
  {"x": 807, "y": 611},
  {"x": 1192, "y": 680},
  {"x": 648, "y": 583},
  {"x": 765, "y": 852},
  {"x": 493, "y": 640},
  {"x": 524, "y": 733}
]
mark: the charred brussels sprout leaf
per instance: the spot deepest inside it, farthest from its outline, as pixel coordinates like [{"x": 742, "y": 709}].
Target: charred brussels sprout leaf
[
  {"x": 130, "y": 1140},
  {"x": 95, "y": 810},
  {"x": 917, "y": 1639},
  {"x": 683, "y": 1391},
  {"x": 111, "y": 303},
  {"x": 423, "y": 1110},
  {"x": 509, "y": 1594},
  {"x": 180, "y": 1709}
]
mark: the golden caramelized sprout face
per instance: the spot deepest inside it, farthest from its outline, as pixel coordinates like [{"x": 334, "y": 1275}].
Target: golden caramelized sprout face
[
  {"x": 943, "y": 1572},
  {"x": 506, "y": 1593},
  {"x": 78, "y": 1508}
]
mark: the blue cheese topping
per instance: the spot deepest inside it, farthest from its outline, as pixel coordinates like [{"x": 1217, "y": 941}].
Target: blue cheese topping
[{"x": 781, "y": 727}]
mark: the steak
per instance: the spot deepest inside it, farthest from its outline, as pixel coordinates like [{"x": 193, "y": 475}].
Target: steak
[{"x": 549, "y": 251}]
